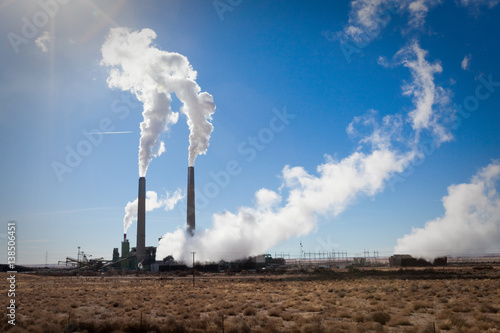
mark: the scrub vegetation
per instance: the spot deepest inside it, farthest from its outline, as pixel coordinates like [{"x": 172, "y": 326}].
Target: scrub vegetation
[{"x": 411, "y": 300}]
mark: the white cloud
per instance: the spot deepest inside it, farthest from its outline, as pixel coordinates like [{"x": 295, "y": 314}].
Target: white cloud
[
  {"x": 418, "y": 10},
  {"x": 466, "y": 62},
  {"x": 42, "y": 41},
  {"x": 430, "y": 101},
  {"x": 382, "y": 61},
  {"x": 378, "y": 135},
  {"x": 470, "y": 224},
  {"x": 368, "y": 17}
]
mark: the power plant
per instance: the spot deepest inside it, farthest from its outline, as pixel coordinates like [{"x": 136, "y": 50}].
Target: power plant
[{"x": 142, "y": 256}]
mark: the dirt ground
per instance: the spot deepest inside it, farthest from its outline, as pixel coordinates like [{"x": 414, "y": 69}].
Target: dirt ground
[{"x": 425, "y": 300}]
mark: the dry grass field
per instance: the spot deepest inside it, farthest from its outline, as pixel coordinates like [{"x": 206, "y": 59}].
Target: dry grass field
[{"x": 439, "y": 300}]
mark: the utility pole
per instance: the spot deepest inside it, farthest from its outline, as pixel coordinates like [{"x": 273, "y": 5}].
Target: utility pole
[
  {"x": 193, "y": 267},
  {"x": 300, "y": 255}
]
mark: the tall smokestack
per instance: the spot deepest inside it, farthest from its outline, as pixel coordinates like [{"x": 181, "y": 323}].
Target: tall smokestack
[
  {"x": 141, "y": 221},
  {"x": 190, "y": 201}
]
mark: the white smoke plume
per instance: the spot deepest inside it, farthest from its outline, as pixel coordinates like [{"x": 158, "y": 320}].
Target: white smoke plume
[
  {"x": 153, "y": 75},
  {"x": 470, "y": 224},
  {"x": 335, "y": 186},
  {"x": 152, "y": 203}
]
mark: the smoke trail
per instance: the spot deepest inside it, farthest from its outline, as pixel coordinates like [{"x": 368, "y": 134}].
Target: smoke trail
[
  {"x": 152, "y": 203},
  {"x": 470, "y": 224},
  {"x": 337, "y": 184},
  {"x": 153, "y": 75}
]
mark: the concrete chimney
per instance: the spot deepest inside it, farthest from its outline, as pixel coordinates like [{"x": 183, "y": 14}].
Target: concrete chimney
[
  {"x": 190, "y": 201},
  {"x": 141, "y": 221}
]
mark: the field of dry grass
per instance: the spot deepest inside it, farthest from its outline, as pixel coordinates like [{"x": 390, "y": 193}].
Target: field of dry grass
[{"x": 464, "y": 300}]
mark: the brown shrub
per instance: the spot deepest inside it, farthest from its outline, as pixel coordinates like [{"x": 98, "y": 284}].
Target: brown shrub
[
  {"x": 359, "y": 317},
  {"x": 488, "y": 308},
  {"x": 445, "y": 324},
  {"x": 275, "y": 312},
  {"x": 250, "y": 311},
  {"x": 400, "y": 320},
  {"x": 460, "y": 307},
  {"x": 381, "y": 317},
  {"x": 313, "y": 328}
]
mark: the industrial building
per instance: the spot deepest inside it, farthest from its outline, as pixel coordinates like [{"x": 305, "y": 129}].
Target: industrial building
[{"x": 406, "y": 260}]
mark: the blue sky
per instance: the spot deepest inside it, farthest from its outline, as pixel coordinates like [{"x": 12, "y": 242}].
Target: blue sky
[{"x": 257, "y": 59}]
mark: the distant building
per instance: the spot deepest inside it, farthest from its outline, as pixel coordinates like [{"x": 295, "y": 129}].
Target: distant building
[
  {"x": 116, "y": 257},
  {"x": 359, "y": 261},
  {"x": 398, "y": 260}
]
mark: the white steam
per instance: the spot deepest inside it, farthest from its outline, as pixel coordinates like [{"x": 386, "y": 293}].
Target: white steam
[
  {"x": 153, "y": 75},
  {"x": 253, "y": 230},
  {"x": 152, "y": 203},
  {"x": 335, "y": 186},
  {"x": 470, "y": 224}
]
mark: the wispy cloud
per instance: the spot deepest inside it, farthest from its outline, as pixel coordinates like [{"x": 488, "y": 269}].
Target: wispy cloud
[
  {"x": 418, "y": 10},
  {"x": 42, "y": 41},
  {"x": 466, "y": 62},
  {"x": 368, "y": 17},
  {"x": 477, "y": 3},
  {"x": 431, "y": 101},
  {"x": 382, "y": 61}
]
